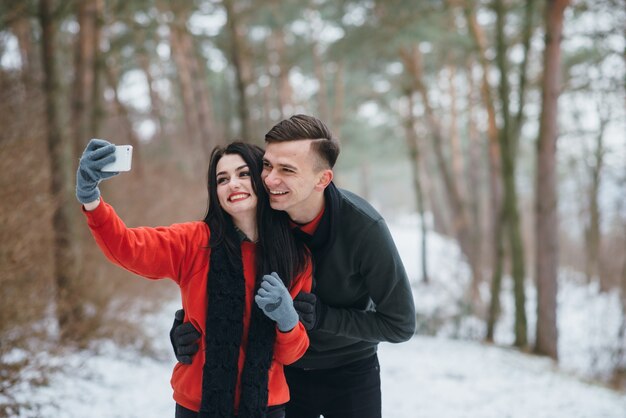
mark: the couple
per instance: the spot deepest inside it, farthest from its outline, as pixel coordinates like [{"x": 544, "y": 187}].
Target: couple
[{"x": 360, "y": 296}]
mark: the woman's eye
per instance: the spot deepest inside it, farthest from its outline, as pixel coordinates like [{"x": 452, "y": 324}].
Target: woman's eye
[
  {"x": 221, "y": 180},
  {"x": 244, "y": 174}
]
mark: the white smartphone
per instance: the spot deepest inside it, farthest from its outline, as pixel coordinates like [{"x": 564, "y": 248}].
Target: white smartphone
[{"x": 123, "y": 159}]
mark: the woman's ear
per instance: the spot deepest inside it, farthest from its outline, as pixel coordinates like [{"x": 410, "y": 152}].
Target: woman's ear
[{"x": 326, "y": 176}]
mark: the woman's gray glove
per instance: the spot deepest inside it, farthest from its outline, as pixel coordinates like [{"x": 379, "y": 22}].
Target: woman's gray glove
[
  {"x": 97, "y": 154},
  {"x": 275, "y": 301}
]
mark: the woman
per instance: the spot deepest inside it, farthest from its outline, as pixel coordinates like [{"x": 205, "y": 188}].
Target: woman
[{"x": 219, "y": 264}]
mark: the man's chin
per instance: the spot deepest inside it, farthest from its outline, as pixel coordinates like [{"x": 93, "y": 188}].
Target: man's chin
[{"x": 277, "y": 205}]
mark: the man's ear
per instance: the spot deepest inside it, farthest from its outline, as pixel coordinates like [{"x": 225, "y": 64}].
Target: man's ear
[{"x": 325, "y": 177}]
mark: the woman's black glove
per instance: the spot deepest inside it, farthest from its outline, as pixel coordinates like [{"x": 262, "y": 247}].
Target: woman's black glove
[
  {"x": 310, "y": 308},
  {"x": 184, "y": 337}
]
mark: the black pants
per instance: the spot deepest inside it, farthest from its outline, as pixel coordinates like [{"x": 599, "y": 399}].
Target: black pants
[
  {"x": 277, "y": 411},
  {"x": 349, "y": 391}
]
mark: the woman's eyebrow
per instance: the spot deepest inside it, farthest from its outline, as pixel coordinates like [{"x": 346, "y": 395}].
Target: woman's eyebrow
[{"x": 236, "y": 169}]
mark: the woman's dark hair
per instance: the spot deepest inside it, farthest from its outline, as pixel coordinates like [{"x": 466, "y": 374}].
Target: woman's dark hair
[{"x": 277, "y": 249}]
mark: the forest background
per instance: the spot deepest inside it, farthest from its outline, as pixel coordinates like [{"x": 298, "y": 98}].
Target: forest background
[{"x": 501, "y": 123}]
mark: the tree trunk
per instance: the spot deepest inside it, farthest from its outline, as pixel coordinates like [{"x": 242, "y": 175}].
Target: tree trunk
[
  {"x": 63, "y": 165},
  {"x": 414, "y": 156},
  {"x": 202, "y": 97},
  {"x": 527, "y": 32},
  {"x": 238, "y": 58},
  {"x": 592, "y": 230},
  {"x": 23, "y": 32},
  {"x": 511, "y": 214},
  {"x": 456, "y": 153},
  {"x": 285, "y": 92},
  {"x": 495, "y": 174},
  {"x": 124, "y": 117},
  {"x": 97, "y": 110},
  {"x": 461, "y": 227},
  {"x": 339, "y": 94},
  {"x": 496, "y": 276},
  {"x": 546, "y": 216},
  {"x": 155, "y": 101},
  {"x": 183, "y": 66},
  {"x": 82, "y": 100},
  {"x": 475, "y": 174},
  {"x": 322, "y": 96}
]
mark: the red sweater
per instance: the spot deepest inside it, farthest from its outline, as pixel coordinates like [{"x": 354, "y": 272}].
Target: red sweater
[{"x": 180, "y": 252}]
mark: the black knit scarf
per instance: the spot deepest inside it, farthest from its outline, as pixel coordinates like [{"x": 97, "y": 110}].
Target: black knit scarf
[{"x": 224, "y": 328}]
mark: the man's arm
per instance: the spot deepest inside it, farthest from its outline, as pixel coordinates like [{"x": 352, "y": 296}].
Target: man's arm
[{"x": 392, "y": 317}]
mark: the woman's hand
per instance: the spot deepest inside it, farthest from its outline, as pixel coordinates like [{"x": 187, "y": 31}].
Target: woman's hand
[
  {"x": 97, "y": 154},
  {"x": 276, "y": 302}
]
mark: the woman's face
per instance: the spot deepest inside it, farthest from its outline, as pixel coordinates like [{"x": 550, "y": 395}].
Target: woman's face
[{"x": 234, "y": 186}]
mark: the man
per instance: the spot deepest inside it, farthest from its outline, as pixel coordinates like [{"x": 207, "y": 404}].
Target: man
[{"x": 362, "y": 295}]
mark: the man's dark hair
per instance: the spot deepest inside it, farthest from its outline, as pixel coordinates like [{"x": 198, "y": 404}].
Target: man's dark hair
[{"x": 300, "y": 127}]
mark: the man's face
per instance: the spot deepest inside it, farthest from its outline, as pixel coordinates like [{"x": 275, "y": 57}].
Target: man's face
[{"x": 291, "y": 178}]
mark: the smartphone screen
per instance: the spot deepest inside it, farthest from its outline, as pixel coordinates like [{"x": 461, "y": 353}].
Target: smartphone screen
[{"x": 123, "y": 159}]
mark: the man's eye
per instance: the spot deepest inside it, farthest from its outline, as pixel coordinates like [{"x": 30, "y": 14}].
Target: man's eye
[
  {"x": 266, "y": 164},
  {"x": 288, "y": 170}
]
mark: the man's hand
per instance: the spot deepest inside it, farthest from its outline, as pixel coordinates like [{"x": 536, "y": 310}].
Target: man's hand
[
  {"x": 184, "y": 338},
  {"x": 275, "y": 301},
  {"x": 310, "y": 309},
  {"x": 97, "y": 154}
]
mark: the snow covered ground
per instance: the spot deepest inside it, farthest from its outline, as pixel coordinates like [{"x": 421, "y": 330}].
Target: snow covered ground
[{"x": 426, "y": 377}]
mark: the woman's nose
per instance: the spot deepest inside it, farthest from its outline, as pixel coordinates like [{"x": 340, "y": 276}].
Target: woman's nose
[{"x": 235, "y": 183}]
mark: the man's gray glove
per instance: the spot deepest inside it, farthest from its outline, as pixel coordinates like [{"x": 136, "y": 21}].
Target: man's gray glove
[
  {"x": 184, "y": 337},
  {"x": 311, "y": 310},
  {"x": 275, "y": 301},
  {"x": 97, "y": 154}
]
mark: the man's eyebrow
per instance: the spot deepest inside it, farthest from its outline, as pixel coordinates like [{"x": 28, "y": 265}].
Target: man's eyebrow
[
  {"x": 279, "y": 164},
  {"x": 285, "y": 165}
]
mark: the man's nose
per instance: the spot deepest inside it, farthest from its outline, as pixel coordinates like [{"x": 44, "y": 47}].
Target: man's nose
[{"x": 270, "y": 177}]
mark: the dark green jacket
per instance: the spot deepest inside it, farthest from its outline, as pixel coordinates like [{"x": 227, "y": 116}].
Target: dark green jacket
[{"x": 360, "y": 277}]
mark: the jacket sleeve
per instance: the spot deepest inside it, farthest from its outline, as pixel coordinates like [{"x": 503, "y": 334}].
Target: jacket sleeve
[
  {"x": 391, "y": 314},
  {"x": 154, "y": 253},
  {"x": 292, "y": 345}
]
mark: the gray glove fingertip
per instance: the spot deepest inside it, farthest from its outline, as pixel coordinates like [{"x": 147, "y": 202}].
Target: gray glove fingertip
[
  {"x": 108, "y": 174},
  {"x": 273, "y": 278},
  {"x": 97, "y": 164},
  {"x": 269, "y": 279},
  {"x": 260, "y": 301},
  {"x": 95, "y": 143},
  {"x": 99, "y": 153}
]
